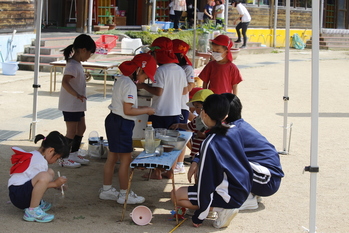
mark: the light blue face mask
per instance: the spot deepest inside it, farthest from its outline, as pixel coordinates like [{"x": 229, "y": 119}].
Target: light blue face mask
[
  {"x": 217, "y": 56},
  {"x": 200, "y": 124}
]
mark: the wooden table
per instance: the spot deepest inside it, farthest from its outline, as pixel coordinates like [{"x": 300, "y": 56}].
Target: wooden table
[
  {"x": 85, "y": 65},
  {"x": 165, "y": 161}
]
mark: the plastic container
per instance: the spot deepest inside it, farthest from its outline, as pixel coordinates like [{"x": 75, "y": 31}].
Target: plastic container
[
  {"x": 97, "y": 146},
  {"x": 105, "y": 43},
  {"x": 9, "y": 67},
  {"x": 141, "y": 215},
  {"x": 149, "y": 134},
  {"x": 128, "y": 45}
]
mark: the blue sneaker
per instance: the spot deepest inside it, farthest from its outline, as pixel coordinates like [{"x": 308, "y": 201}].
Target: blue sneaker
[
  {"x": 37, "y": 215},
  {"x": 45, "y": 206}
]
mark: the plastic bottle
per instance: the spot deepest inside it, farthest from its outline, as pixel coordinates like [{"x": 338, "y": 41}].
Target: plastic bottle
[
  {"x": 101, "y": 146},
  {"x": 149, "y": 134},
  {"x": 117, "y": 12}
]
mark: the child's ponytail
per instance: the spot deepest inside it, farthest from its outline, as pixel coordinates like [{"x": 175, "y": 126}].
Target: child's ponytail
[
  {"x": 67, "y": 52},
  {"x": 55, "y": 140},
  {"x": 217, "y": 108}
]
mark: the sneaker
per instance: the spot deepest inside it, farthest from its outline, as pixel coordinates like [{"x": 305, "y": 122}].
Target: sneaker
[
  {"x": 37, "y": 215},
  {"x": 259, "y": 199},
  {"x": 45, "y": 206},
  {"x": 251, "y": 203},
  {"x": 242, "y": 47},
  {"x": 132, "y": 198},
  {"x": 224, "y": 217},
  {"x": 188, "y": 160},
  {"x": 237, "y": 41},
  {"x": 78, "y": 158},
  {"x": 110, "y": 194},
  {"x": 179, "y": 170},
  {"x": 68, "y": 163}
]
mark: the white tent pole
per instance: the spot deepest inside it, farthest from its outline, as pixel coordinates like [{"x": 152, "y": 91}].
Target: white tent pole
[
  {"x": 226, "y": 15},
  {"x": 275, "y": 22},
  {"x": 90, "y": 15},
  {"x": 287, "y": 64},
  {"x": 36, "y": 66},
  {"x": 321, "y": 15},
  {"x": 314, "y": 114},
  {"x": 194, "y": 34},
  {"x": 153, "y": 12}
]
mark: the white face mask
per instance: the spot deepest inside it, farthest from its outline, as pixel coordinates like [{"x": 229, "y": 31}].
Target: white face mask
[{"x": 217, "y": 56}]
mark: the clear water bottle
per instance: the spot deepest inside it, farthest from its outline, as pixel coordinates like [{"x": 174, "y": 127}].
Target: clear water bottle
[{"x": 149, "y": 134}]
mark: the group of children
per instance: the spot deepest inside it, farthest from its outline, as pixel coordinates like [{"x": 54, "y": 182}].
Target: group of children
[{"x": 232, "y": 163}]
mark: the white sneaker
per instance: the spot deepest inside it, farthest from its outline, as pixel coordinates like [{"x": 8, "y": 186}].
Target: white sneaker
[
  {"x": 212, "y": 215},
  {"x": 132, "y": 198},
  {"x": 224, "y": 217},
  {"x": 78, "y": 158},
  {"x": 69, "y": 163},
  {"x": 179, "y": 170},
  {"x": 110, "y": 194},
  {"x": 251, "y": 203}
]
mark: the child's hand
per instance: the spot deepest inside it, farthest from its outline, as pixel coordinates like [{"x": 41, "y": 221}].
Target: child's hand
[
  {"x": 192, "y": 171},
  {"x": 174, "y": 126},
  {"x": 151, "y": 111},
  {"x": 201, "y": 134},
  {"x": 81, "y": 97},
  {"x": 140, "y": 85},
  {"x": 60, "y": 181}
]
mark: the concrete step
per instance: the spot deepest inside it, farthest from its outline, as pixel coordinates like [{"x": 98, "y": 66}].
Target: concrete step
[
  {"x": 337, "y": 38},
  {"x": 249, "y": 44},
  {"x": 43, "y": 67},
  {"x": 50, "y": 50},
  {"x": 333, "y": 47},
  {"x": 43, "y": 58},
  {"x": 255, "y": 50}
]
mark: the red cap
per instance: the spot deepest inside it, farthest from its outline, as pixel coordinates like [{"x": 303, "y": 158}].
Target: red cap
[
  {"x": 163, "y": 48},
  {"x": 193, "y": 91},
  {"x": 179, "y": 46},
  {"x": 224, "y": 41},
  {"x": 144, "y": 61}
]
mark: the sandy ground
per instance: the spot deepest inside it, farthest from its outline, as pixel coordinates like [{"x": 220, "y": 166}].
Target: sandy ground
[{"x": 261, "y": 94}]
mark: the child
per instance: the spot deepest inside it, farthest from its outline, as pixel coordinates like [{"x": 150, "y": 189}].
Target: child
[
  {"x": 31, "y": 177},
  {"x": 180, "y": 48},
  {"x": 195, "y": 125},
  {"x": 263, "y": 157},
  {"x": 169, "y": 85},
  {"x": 221, "y": 75},
  {"x": 245, "y": 18},
  {"x": 208, "y": 11},
  {"x": 120, "y": 122},
  {"x": 72, "y": 97},
  {"x": 219, "y": 12},
  {"x": 224, "y": 175}
]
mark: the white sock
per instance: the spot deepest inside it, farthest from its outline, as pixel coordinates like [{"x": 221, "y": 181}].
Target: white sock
[
  {"x": 217, "y": 209},
  {"x": 123, "y": 191},
  {"x": 180, "y": 164},
  {"x": 106, "y": 187}
]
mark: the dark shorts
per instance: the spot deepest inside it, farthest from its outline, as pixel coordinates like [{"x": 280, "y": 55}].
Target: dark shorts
[
  {"x": 163, "y": 121},
  {"x": 21, "y": 195},
  {"x": 73, "y": 116},
  {"x": 184, "y": 117},
  {"x": 268, "y": 189},
  {"x": 217, "y": 201},
  {"x": 119, "y": 133}
]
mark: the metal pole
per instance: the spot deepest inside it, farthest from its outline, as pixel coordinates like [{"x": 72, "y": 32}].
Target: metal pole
[
  {"x": 90, "y": 15},
  {"x": 287, "y": 72},
  {"x": 194, "y": 34},
  {"x": 36, "y": 67},
  {"x": 275, "y": 22},
  {"x": 314, "y": 113},
  {"x": 226, "y": 15},
  {"x": 153, "y": 12}
]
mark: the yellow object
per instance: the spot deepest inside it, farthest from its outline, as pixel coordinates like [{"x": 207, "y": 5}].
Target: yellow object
[
  {"x": 178, "y": 225},
  {"x": 198, "y": 82},
  {"x": 157, "y": 142}
]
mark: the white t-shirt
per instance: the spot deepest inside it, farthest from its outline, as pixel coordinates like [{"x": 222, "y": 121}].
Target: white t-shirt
[
  {"x": 180, "y": 5},
  {"x": 220, "y": 15},
  {"x": 189, "y": 71},
  {"x": 171, "y": 5},
  {"x": 172, "y": 79},
  {"x": 37, "y": 164},
  {"x": 124, "y": 91},
  {"x": 246, "y": 17},
  {"x": 68, "y": 102}
]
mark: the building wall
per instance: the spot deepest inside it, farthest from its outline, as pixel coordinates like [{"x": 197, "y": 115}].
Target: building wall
[{"x": 17, "y": 15}]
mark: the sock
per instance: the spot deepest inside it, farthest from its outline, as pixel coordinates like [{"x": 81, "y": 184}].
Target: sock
[
  {"x": 76, "y": 143},
  {"x": 217, "y": 209},
  {"x": 69, "y": 140},
  {"x": 106, "y": 187},
  {"x": 123, "y": 191},
  {"x": 180, "y": 164}
]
